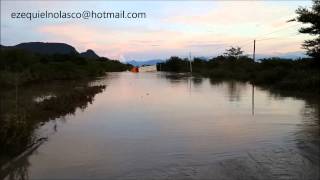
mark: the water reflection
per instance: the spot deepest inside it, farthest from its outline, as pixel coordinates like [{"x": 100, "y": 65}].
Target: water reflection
[
  {"x": 20, "y": 171},
  {"x": 23, "y": 111},
  {"x": 175, "y": 78},
  {"x": 252, "y": 98},
  {"x": 307, "y": 137},
  {"x": 174, "y": 126},
  {"x": 235, "y": 90},
  {"x": 197, "y": 81}
]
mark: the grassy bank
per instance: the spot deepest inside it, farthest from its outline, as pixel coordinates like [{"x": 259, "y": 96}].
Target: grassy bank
[
  {"x": 284, "y": 74},
  {"x": 22, "y": 67},
  {"x": 22, "y": 112}
]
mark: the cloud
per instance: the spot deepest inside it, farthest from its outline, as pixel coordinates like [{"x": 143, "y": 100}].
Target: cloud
[
  {"x": 205, "y": 45},
  {"x": 111, "y": 42},
  {"x": 115, "y": 42},
  {"x": 172, "y": 28},
  {"x": 237, "y": 18}
]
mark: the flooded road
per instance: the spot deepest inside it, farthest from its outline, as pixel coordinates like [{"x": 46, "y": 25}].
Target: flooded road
[{"x": 168, "y": 126}]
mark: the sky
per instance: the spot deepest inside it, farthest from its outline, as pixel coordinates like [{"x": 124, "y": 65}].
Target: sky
[{"x": 171, "y": 28}]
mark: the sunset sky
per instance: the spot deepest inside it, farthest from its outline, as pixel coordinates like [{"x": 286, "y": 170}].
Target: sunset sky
[{"x": 204, "y": 28}]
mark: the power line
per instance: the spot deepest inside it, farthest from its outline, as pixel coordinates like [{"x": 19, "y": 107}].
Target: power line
[
  {"x": 249, "y": 41},
  {"x": 246, "y": 43},
  {"x": 237, "y": 43},
  {"x": 277, "y": 30},
  {"x": 265, "y": 39}
]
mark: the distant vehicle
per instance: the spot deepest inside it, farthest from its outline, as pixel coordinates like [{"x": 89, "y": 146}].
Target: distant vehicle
[
  {"x": 152, "y": 68},
  {"x": 135, "y": 70}
]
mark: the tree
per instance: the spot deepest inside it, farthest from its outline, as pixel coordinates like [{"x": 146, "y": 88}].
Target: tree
[
  {"x": 233, "y": 52},
  {"x": 312, "y": 17}
]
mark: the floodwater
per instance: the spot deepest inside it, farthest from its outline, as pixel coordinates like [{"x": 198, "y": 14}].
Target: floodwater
[{"x": 166, "y": 126}]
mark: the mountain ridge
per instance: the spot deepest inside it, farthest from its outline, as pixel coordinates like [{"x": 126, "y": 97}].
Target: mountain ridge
[
  {"x": 148, "y": 62},
  {"x": 89, "y": 54},
  {"x": 51, "y": 48}
]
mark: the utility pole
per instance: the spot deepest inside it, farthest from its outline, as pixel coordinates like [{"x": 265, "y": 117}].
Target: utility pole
[
  {"x": 190, "y": 62},
  {"x": 252, "y": 98},
  {"x": 254, "y": 60},
  {"x": 254, "y": 50}
]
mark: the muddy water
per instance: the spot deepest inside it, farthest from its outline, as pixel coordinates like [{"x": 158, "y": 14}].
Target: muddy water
[{"x": 172, "y": 126}]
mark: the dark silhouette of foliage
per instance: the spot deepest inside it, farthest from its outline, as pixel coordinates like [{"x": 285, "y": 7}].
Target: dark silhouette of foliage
[
  {"x": 312, "y": 17},
  {"x": 174, "y": 64},
  {"x": 21, "y": 66},
  {"x": 294, "y": 75},
  {"x": 234, "y": 52},
  {"x": 20, "y": 118}
]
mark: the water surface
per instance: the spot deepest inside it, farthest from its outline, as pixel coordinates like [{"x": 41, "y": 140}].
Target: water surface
[{"x": 172, "y": 126}]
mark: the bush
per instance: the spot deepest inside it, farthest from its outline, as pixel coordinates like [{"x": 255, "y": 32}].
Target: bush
[
  {"x": 302, "y": 74},
  {"x": 27, "y": 67}
]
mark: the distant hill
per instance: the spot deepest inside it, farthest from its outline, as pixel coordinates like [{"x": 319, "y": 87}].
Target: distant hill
[
  {"x": 293, "y": 55},
  {"x": 289, "y": 55},
  {"x": 89, "y": 54},
  {"x": 4, "y": 47},
  {"x": 52, "y": 48},
  {"x": 46, "y": 48},
  {"x": 149, "y": 62}
]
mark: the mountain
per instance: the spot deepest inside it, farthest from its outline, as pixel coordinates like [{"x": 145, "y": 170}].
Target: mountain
[
  {"x": 52, "y": 48},
  {"x": 89, "y": 54},
  {"x": 4, "y": 47},
  {"x": 288, "y": 55},
  {"x": 293, "y": 55},
  {"x": 47, "y": 48},
  {"x": 149, "y": 62},
  {"x": 204, "y": 58}
]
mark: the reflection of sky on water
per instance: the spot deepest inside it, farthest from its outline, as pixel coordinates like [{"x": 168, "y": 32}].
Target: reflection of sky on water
[{"x": 155, "y": 124}]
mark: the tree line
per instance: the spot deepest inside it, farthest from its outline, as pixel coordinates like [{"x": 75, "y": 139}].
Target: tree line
[
  {"x": 19, "y": 66},
  {"x": 300, "y": 75}
]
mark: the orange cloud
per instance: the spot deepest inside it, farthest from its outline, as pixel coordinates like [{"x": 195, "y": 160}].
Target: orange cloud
[
  {"x": 229, "y": 24},
  {"x": 111, "y": 42}
]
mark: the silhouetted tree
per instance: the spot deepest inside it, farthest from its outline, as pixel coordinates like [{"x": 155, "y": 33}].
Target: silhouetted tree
[
  {"x": 312, "y": 17},
  {"x": 233, "y": 52}
]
